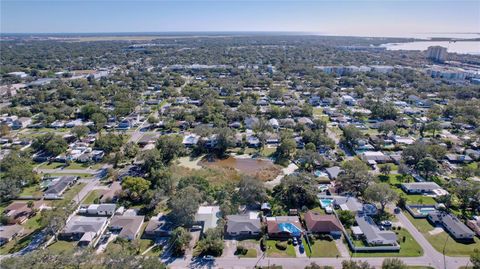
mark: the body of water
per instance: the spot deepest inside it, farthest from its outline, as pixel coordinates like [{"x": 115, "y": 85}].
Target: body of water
[{"x": 461, "y": 47}]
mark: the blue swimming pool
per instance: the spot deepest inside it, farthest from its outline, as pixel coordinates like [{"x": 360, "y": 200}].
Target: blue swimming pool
[
  {"x": 426, "y": 210},
  {"x": 290, "y": 228},
  {"x": 326, "y": 203}
]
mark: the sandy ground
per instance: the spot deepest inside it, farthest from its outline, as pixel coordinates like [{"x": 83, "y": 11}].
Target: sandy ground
[{"x": 187, "y": 162}]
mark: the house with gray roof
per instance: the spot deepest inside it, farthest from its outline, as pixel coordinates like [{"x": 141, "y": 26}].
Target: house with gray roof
[
  {"x": 83, "y": 229},
  {"x": 373, "y": 235},
  {"x": 98, "y": 209},
  {"x": 127, "y": 226},
  {"x": 58, "y": 186},
  {"x": 456, "y": 228},
  {"x": 423, "y": 187},
  {"x": 333, "y": 172},
  {"x": 158, "y": 226},
  {"x": 243, "y": 225}
]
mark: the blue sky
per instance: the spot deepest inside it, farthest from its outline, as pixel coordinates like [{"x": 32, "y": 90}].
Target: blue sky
[{"x": 355, "y": 17}]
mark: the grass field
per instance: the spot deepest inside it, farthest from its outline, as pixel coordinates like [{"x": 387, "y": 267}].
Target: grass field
[
  {"x": 34, "y": 190},
  {"x": 273, "y": 251},
  {"x": 321, "y": 248},
  {"x": 443, "y": 239},
  {"x": 62, "y": 246},
  {"x": 92, "y": 196}
]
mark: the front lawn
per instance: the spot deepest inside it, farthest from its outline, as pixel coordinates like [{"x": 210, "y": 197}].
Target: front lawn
[
  {"x": 92, "y": 196},
  {"x": 33, "y": 223},
  {"x": 70, "y": 194},
  {"x": 62, "y": 246},
  {"x": 273, "y": 251},
  {"x": 321, "y": 248},
  {"x": 408, "y": 247}
]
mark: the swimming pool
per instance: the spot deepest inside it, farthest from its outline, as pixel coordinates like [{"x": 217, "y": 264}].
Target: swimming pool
[
  {"x": 424, "y": 211},
  {"x": 326, "y": 202}
]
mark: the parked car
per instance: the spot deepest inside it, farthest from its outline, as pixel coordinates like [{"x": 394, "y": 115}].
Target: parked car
[
  {"x": 208, "y": 258},
  {"x": 301, "y": 248}
]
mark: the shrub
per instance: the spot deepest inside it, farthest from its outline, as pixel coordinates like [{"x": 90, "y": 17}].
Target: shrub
[
  {"x": 263, "y": 246},
  {"x": 311, "y": 238},
  {"x": 241, "y": 250},
  {"x": 281, "y": 245},
  {"x": 290, "y": 241}
]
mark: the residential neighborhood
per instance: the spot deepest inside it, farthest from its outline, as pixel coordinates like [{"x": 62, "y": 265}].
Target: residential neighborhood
[{"x": 239, "y": 152}]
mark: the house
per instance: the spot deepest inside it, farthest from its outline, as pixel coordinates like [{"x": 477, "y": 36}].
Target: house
[
  {"x": 372, "y": 234},
  {"x": 19, "y": 212},
  {"x": 305, "y": 121},
  {"x": 374, "y": 157},
  {"x": 158, "y": 226},
  {"x": 318, "y": 223},
  {"x": 333, "y": 172},
  {"x": 112, "y": 193},
  {"x": 457, "y": 229},
  {"x": 284, "y": 227},
  {"x": 190, "y": 140},
  {"x": 423, "y": 188},
  {"x": 243, "y": 225},
  {"x": 8, "y": 232},
  {"x": 98, "y": 209},
  {"x": 58, "y": 186},
  {"x": 127, "y": 226},
  {"x": 207, "y": 216},
  {"x": 458, "y": 159},
  {"x": 83, "y": 229},
  {"x": 348, "y": 203},
  {"x": 124, "y": 125},
  {"x": 21, "y": 123},
  {"x": 250, "y": 122},
  {"x": 474, "y": 225}
]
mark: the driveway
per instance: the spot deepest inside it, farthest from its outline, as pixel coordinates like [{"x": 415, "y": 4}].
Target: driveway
[{"x": 230, "y": 248}]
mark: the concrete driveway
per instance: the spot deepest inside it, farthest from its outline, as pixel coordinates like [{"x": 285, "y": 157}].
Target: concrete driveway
[{"x": 230, "y": 248}]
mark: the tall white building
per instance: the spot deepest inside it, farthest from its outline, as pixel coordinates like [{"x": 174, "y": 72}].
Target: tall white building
[{"x": 437, "y": 53}]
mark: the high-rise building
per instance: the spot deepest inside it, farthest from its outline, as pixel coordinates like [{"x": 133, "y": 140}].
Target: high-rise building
[{"x": 437, "y": 53}]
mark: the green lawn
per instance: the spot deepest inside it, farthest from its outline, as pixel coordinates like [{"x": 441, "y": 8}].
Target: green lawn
[
  {"x": 34, "y": 222},
  {"x": 92, "y": 196},
  {"x": 321, "y": 248},
  {"x": 62, "y": 246},
  {"x": 409, "y": 248},
  {"x": 34, "y": 190},
  {"x": 438, "y": 241},
  {"x": 273, "y": 251},
  {"x": 53, "y": 165},
  {"x": 251, "y": 253}
]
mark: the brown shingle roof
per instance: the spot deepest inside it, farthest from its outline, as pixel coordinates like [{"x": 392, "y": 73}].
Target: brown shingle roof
[{"x": 318, "y": 223}]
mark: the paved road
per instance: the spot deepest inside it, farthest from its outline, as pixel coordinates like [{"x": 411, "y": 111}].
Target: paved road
[
  {"x": 67, "y": 171},
  {"x": 293, "y": 263}
]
